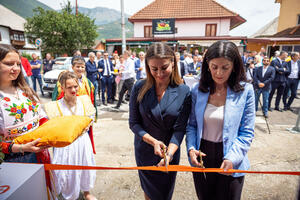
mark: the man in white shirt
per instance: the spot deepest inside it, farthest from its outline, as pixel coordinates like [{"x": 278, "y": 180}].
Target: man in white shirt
[
  {"x": 128, "y": 75},
  {"x": 140, "y": 67},
  {"x": 293, "y": 68}
]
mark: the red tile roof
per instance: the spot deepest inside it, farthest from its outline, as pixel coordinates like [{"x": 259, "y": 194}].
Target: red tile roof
[{"x": 186, "y": 9}]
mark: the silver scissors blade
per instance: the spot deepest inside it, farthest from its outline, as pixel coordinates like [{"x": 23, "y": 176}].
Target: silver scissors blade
[{"x": 201, "y": 162}]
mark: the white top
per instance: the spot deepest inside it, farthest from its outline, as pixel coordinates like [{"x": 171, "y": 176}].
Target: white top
[
  {"x": 143, "y": 72},
  {"x": 129, "y": 70},
  {"x": 80, "y": 152},
  {"x": 179, "y": 70},
  {"x": 106, "y": 71},
  {"x": 294, "y": 70},
  {"x": 213, "y": 123},
  {"x": 18, "y": 115},
  {"x": 264, "y": 71}
]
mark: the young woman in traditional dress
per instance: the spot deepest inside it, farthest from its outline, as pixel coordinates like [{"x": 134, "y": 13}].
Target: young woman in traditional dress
[
  {"x": 20, "y": 111},
  {"x": 85, "y": 88},
  {"x": 80, "y": 152}
]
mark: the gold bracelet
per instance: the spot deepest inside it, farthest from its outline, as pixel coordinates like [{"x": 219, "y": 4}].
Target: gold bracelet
[{"x": 21, "y": 149}]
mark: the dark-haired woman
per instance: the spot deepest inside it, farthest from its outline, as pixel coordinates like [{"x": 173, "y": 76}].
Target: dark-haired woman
[
  {"x": 20, "y": 111},
  {"x": 221, "y": 123},
  {"x": 159, "y": 110}
]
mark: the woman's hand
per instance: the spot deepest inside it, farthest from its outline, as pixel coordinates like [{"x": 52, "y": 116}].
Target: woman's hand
[
  {"x": 31, "y": 147},
  {"x": 194, "y": 155},
  {"x": 159, "y": 147},
  {"x": 226, "y": 165},
  {"x": 162, "y": 161}
]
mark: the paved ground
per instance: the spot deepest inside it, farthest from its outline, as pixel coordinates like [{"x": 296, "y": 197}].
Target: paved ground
[{"x": 279, "y": 150}]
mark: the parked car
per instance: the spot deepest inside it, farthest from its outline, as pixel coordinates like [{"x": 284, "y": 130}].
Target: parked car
[{"x": 50, "y": 78}]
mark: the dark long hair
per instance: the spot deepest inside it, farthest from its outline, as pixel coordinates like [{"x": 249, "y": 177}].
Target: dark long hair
[
  {"x": 159, "y": 50},
  {"x": 20, "y": 81},
  {"x": 228, "y": 50}
]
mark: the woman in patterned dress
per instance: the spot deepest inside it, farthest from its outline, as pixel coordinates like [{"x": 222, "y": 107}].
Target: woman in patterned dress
[{"x": 20, "y": 111}]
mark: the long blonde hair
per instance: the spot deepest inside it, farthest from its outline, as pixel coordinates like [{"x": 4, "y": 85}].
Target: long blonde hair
[
  {"x": 159, "y": 50},
  {"x": 20, "y": 82}
]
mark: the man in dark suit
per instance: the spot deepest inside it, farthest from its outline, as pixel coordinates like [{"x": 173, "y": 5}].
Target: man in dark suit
[
  {"x": 180, "y": 65},
  {"x": 293, "y": 67},
  {"x": 263, "y": 76},
  {"x": 194, "y": 66},
  {"x": 92, "y": 71},
  {"x": 106, "y": 70},
  {"x": 279, "y": 81}
]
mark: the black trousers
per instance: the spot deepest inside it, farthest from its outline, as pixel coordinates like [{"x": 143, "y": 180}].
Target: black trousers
[
  {"x": 280, "y": 89},
  {"x": 291, "y": 84},
  {"x": 216, "y": 186},
  {"x": 127, "y": 85}
]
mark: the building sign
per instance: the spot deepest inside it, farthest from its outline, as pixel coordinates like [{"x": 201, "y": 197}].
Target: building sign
[{"x": 163, "y": 26}]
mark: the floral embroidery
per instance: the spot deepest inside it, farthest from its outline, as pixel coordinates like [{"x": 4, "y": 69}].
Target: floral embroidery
[
  {"x": 17, "y": 111},
  {"x": 6, "y": 99},
  {"x": 32, "y": 107},
  {"x": 20, "y": 130}
]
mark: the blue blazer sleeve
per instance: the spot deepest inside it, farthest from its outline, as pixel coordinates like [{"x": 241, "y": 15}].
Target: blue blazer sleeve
[
  {"x": 191, "y": 130},
  {"x": 134, "y": 113},
  {"x": 181, "y": 122},
  {"x": 241, "y": 144},
  {"x": 89, "y": 68}
]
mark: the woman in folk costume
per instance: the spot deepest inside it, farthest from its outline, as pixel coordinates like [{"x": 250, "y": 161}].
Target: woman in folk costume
[
  {"x": 70, "y": 183},
  {"x": 20, "y": 111},
  {"x": 85, "y": 88}
]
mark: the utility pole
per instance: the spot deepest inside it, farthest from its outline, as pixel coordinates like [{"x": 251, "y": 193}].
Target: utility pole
[
  {"x": 76, "y": 8},
  {"x": 123, "y": 27}
]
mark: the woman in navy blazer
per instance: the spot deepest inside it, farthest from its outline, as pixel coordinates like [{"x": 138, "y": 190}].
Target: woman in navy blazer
[
  {"x": 159, "y": 109},
  {"x": 221, "y": 122}
]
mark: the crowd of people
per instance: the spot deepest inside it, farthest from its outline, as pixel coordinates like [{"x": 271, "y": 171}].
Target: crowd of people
[
  {"x": 217, "y": 114},
  {"x": 280, "y": 74}
]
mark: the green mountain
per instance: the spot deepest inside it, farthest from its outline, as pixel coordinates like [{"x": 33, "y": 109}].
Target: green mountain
[
  {"x": 114, "y": 30},
  {"x": 23, "y": 7},
  {"x": 102, "y": 15}
]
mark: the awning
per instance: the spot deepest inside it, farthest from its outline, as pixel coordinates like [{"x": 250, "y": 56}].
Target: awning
[{"x": 205, "y": 43}]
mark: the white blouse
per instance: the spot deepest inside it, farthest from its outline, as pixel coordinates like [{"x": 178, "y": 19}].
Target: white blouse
[
  {"x": 18, "y": 115},
  {"x": 213, "y": 123}
]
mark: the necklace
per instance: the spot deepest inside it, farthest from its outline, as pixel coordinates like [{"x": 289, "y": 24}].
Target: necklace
[{"x": 70, "y": 109}]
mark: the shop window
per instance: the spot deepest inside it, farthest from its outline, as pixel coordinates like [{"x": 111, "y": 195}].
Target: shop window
[
  {"x": 298, "y": 19},
  {"x": 287, "y": 48},
  {"x": 210, "y": 30},
  {"x": 147, "y": 31}
]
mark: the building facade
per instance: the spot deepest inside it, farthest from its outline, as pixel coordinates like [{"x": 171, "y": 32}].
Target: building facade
[{"x": 197, "y": 24}]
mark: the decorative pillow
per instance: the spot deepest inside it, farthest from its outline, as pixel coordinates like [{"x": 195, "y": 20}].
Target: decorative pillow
[{"x": 57, "y": 132}]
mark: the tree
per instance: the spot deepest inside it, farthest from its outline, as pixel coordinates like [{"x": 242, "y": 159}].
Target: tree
[{"x": 61, "y": 32}]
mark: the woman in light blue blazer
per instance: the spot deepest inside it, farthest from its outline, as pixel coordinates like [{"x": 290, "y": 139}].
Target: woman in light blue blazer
[{"x": 221, "y": 123}]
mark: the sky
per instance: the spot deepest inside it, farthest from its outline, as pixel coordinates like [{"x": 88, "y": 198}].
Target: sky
[{"x": 257, "y": 12}]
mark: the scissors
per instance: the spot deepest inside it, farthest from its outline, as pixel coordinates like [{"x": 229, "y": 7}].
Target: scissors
[
  {"x": 165, "y": 157},
  {"x": 201, "y": 162}
]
